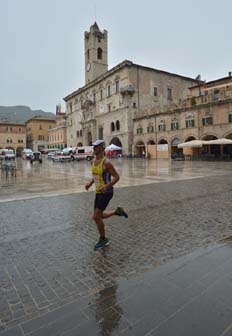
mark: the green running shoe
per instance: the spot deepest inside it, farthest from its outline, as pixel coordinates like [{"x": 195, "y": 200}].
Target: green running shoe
[{"x": 121, "y": 212}]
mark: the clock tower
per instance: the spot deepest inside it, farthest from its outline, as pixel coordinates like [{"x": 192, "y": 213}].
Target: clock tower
[{"x": 96, "y": 53}]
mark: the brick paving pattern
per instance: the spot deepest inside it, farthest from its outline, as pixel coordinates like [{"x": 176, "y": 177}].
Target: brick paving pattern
[{"x": 51, "y": 277}]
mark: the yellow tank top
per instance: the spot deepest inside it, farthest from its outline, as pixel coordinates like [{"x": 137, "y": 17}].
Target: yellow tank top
[{"x": 100, "y": 176}]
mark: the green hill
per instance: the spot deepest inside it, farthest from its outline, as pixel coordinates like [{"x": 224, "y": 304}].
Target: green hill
[{"x": 20, "y": 114}]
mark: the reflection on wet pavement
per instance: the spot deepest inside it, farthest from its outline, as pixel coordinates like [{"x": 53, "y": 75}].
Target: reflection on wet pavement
[
  {"x": 52, "y": 282},
  {"x": 49, "y": 178}
]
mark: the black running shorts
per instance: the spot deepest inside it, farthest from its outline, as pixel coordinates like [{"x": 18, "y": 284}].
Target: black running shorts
[{"x": 102, "y": 200}]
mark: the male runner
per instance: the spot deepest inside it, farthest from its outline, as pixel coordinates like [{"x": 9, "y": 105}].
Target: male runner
[{"x": 102, "y": 171}]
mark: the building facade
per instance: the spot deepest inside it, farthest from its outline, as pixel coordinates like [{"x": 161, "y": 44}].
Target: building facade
[
  {"x": 206, "y": 114},
  {"x": 37, "y": 131},
  {"x": 13, "y": 136},
  {"x": 111, "y": 100},
  {"x": 57, "y": 137}
]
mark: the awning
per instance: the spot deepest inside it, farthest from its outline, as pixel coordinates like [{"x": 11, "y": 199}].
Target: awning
[
  {"x": 200, "y": 143},
  {"x": 191, "y": 144},
  {"x": 222, "y": 141},
  {"x": 113, "y": 147}
]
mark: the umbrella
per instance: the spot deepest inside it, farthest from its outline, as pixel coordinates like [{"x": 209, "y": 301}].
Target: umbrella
[
  {"x": 113, "y": 147},
  {"x": 222, "y": 141},
  {"x": 193, "y": 143}
]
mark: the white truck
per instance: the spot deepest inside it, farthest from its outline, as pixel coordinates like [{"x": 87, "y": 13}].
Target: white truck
[
  {"x": 7, "y": 154},
  {"x": 83, "y": 153}
]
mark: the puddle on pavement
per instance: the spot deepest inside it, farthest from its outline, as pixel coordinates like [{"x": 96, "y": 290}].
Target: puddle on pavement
[{"x": 71, "y": 177}]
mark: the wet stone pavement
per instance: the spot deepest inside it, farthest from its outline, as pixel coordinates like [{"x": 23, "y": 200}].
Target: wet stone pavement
[{"x": 166, "y": 272}]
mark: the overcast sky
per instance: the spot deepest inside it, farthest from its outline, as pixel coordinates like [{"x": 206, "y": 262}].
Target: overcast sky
[{"x": 42, "y": 42}]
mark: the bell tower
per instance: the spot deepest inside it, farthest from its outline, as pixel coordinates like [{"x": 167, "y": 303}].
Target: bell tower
[{"x": 96, "y": 53}]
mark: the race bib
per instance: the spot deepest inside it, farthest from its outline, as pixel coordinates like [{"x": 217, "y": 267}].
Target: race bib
[{"x": 96, "y": 180}]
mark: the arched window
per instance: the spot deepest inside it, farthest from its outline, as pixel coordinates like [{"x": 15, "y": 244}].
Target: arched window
[
  {"x": 112, "y": 127},
  {"x": 99, "y": 53},
  {"x": 108, "y": 91},
  {"x": 88, "y": 54},
  {"x": 117, "y": 125}
]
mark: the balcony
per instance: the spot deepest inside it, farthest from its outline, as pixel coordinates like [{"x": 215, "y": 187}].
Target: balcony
[{"x": 127, "y": 90}]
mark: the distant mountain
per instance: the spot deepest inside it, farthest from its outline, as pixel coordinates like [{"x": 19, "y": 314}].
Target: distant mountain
[{"x": 20, "y": 114}]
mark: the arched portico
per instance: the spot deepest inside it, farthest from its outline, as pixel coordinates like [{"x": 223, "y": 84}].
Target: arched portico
[
  {"x": 162, "y": 142},
  {"x": 116, "y": 141},
  {"x": 174, "y": 148},
  {"x": 151, "y": 149},
  {"x": 162, "y": 149},
  {"x": 210, "y": 149},
  {"x": 208, "y": 137},
  {"x": 140, "y": 149},
  {"x": 227, "y": 149},
  {"x": 190, "y": 138}
]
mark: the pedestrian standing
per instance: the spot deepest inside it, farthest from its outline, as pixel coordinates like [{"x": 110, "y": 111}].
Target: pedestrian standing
[{"x": 104, "y": 176}]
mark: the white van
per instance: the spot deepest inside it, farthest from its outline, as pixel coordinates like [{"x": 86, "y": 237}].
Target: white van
[
  {"x": 27, "y": 153},
  {"x": 7, "y": 154},
  {"x": 83, "y": 153}
]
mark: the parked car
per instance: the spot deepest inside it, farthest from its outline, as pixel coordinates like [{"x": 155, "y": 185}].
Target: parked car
[
  {"x": 7, "y": 154},
  {"x": 36, "y": 156},
  {"x": 61, "y": 156},
  {"x": 51, "y": 154},
  {"x": 27, "y": 153},
  {"x": 83, "y": 153}
]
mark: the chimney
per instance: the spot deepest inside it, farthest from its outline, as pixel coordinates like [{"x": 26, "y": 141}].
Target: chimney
[{"x": 229, "y": 74}]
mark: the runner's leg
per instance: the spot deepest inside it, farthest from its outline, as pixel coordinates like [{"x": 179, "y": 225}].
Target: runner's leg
[{"x": 97, "y": 217}]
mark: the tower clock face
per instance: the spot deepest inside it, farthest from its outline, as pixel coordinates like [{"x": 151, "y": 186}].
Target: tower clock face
[{"x": 88, "y": 66}]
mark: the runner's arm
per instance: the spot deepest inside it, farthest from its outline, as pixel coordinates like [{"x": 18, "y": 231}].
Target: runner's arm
[{"x": 89, "y": 184}]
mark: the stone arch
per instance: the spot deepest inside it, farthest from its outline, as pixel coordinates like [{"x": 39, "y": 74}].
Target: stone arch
[
  {"x": 151, "y": 149},
  {"x": 80, "y": 144},
  {"x": 151, "y": 142},
  {"x": 190, "y": 138},
  {"x": 116, "y": 141},
  {"x": 162, "y": 142},
  {"x": 175, "y": 141},
  {"x": 209, "y": 137},
  {"x": 140, "y": 149},
  {"x": 174, "y": 149}
]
